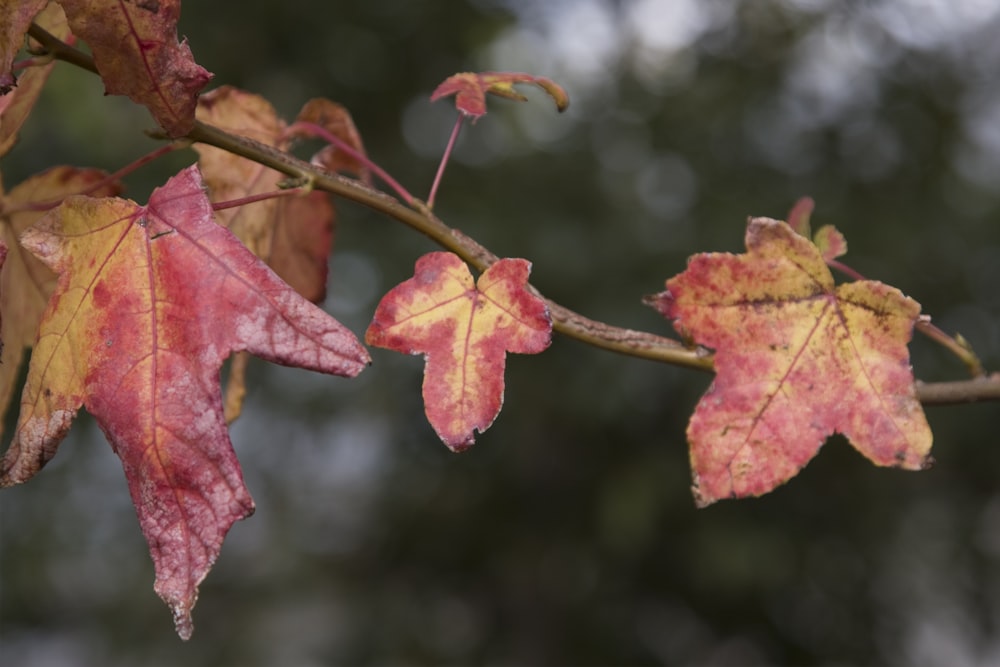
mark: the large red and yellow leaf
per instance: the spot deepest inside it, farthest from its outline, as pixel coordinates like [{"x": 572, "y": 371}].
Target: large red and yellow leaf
[
  {"x": 470, "y": 90},
  {"x": 149, "y": 301},
  {"x": 25, "y": 283},
  {"x": 135, "y": 48},
  {"x": 293, "y": 234},
  {"x": 464, "y": 330},
  {"x": 797, "y": 360}
]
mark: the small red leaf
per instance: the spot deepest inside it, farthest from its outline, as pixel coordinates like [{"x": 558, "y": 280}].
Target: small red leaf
[
  {"x": 831, "y": 243},
  {"x": 464, "y": 331},
  {"x": 470, "y": 89},
  {"x": 798, "y": 217}
]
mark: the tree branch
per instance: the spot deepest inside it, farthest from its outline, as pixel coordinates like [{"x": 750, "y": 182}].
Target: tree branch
[
  {"x": 565, "y": 321},
  {"x": 420, "y": 218}
]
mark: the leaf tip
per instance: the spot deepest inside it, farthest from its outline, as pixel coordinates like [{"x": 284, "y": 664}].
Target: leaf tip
[
  {"x": 660, "y": 301},
  {"x": 799, "y": 215},
  {"x": 182, "y": 621},
  {"x": 555, "y": 91},
  {"x": 459, "y": 446},
  {"x": 701, "y": 501}
]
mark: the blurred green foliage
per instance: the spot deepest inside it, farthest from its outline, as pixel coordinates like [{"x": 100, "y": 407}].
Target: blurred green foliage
[{"x": 567, "y": 535}]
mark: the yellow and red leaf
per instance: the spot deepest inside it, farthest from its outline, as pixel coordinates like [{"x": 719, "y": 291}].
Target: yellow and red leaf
[
  {"x": 149, "y": 302},
  {"x": 293, "y": 234},
  {"x": 25, "y": 283},
  {"x": 464, "y": 330},
  {"x": 797, "y": 360}
]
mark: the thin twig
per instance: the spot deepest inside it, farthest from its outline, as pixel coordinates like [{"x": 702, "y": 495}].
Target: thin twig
[
  {"x": 955, "y": 344},
  {"x": 341, "y": 145},
  {"x": 444, "y": 160}
]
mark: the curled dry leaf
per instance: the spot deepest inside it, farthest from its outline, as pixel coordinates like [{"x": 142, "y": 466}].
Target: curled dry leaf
[
  {"x": 335, "y": 120},
  {"x": 136, "y": 51},
  {"x": 470, "y": 89}
]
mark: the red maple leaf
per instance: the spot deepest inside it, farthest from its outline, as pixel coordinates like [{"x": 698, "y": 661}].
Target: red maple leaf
[
  {"x": 149, "y": 302},
  {"x": 294, "y": 234},
  {"x": 470, "y": 89},
  {"x": 464, "y": 330},
  {"x": 797, "y": 359},
  {"x": 136, "y": 51}
]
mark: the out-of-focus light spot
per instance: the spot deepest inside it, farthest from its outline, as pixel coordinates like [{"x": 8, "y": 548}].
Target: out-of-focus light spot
[
  {"x": 871, "y": 148},
  {"x": 621, "y": 141},
  {"x": 584, "y": 37},
  {"x": 355, "y": 284},
  {"x": 834, "y": 75},
  {"x": 667, "y": 186},
  {"x": 426, "y": 126},
  {"x": 931, "y": 24},
  {"x": 663, "y": 34},
  {"x": 977, "y": 157}
]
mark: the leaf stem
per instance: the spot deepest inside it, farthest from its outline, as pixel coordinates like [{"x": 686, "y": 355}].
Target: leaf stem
[
  {"x": 444, "y": 160},
  {"x": 97, "y": 185},
  {"x": 420, "y": 218},
  {"x": 329, "y": 137},
  {"x": 60, "y": 49},
  {"x": 957, "y": 345},
  {"x": 954, "y": 344},
  {"x": 845, "y": 269},
  {"x": 253, "y": 199}
]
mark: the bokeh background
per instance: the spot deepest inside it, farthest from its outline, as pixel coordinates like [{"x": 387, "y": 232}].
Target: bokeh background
[{"x": 567, "y": 535}]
